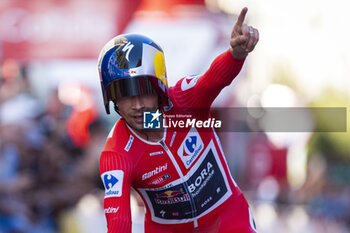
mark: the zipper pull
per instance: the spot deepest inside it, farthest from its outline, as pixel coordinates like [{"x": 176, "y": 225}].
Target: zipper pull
[{"x": 164, "y": 145}]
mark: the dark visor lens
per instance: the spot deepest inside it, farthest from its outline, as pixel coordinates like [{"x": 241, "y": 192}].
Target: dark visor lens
[{"x": 130, "y": 87}]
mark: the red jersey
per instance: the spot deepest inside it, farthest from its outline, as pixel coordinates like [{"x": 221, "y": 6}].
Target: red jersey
[{"x": 183, "y": 179}]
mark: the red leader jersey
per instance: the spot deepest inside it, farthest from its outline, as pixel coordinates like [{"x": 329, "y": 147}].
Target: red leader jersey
[{"x": 183, "y": 179}]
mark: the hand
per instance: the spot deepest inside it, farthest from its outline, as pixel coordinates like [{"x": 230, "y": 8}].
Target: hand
[{"x": 243, "y": 37}]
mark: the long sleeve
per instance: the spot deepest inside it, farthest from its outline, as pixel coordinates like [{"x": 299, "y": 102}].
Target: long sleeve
[
  {"x": 116, "y": 173},
  {"x": 201, "y": 91}
]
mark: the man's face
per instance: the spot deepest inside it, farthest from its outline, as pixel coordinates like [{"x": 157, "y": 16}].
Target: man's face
[{"x": 131, "y": 108}]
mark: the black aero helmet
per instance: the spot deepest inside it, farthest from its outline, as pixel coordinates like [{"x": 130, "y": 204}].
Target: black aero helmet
[{"x": 130, "y": 65}]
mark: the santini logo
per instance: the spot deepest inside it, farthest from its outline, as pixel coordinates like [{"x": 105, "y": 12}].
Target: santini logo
[
  {"x": 111, "y": 210},
  {"x": 155, "y": 171}
]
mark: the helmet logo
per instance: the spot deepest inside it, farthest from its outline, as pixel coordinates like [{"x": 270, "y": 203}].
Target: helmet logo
[{"x": 127, "y": 48}]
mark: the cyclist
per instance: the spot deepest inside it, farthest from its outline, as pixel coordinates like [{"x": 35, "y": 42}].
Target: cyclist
[{"x": 180, "y": 173}]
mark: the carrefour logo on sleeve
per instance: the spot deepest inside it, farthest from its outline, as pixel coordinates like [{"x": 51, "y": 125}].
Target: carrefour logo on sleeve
[
  {"x": 113, "y": 182},
  {"x": 190, "y": 148}
]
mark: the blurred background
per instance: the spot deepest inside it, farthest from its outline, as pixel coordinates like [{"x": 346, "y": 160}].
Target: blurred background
[{"x": 53, "y": 125}]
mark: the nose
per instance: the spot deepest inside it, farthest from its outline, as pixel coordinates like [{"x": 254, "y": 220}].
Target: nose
[{"x": 137, "y": 103}]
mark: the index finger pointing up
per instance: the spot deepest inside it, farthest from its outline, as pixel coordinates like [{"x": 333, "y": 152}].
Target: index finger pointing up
[{"x": 241, "y": 17}]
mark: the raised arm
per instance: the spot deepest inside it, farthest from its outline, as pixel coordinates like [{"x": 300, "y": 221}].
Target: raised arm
[
  {"x": 201, "y": 91},
  {"x": 115, "y": 173}
]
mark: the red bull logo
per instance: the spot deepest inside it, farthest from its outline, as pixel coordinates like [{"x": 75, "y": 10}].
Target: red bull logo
[
  {"x": 172, "y": 197},
  {"x": 169, "y": 194},
  {"x": 130, "y": 72}
]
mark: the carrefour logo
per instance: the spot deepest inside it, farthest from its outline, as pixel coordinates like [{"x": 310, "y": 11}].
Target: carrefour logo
[
  {"x": 190, "y": 145},
  {"x": 151, "y": 119},
  {"x": 190, "y": 148},
  {"x": 110, "y": 181},
  {"x": 113, "y": 182}
]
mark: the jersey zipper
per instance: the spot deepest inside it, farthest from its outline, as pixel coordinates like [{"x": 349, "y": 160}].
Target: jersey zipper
[
  {"x": 171, "y": 156},
  {"x": 166, "y": 148}
]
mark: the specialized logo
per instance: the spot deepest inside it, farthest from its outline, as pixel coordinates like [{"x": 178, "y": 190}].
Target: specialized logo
[
  {"x": 189, "y": 82},
  {"x": 127, "y": 48},
  {"x": 190, "y": 148},
  {"x": 151, "y": 119},
  {"x": 155, "y": 171},
  {"x": 113, "y": 182}
]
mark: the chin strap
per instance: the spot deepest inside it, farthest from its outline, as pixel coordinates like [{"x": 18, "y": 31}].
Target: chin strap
[{"x": 116, "y": 109}]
